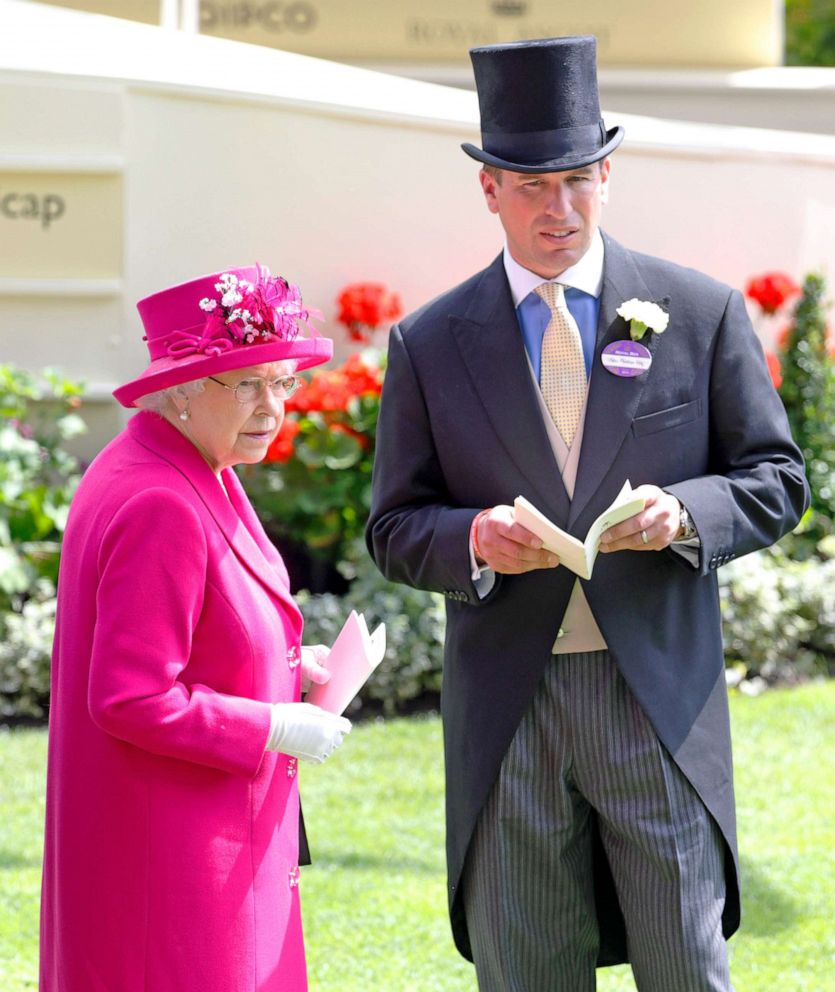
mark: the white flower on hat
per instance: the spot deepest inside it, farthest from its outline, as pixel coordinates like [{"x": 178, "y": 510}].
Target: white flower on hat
[
  {"x": 207, "y": 304},
  {"x": 238, "y": 314},
  {"x": 642, "y": 316}
]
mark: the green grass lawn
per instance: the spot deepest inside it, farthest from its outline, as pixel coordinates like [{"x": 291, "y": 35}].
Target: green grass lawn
[{"x": 375, "y": 903}]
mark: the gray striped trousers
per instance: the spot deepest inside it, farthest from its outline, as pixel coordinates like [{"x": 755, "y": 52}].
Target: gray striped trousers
[{"x": 585, "y": 745}]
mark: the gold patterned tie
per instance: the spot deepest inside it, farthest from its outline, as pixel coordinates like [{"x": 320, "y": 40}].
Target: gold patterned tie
[{"x": 562, "y": 376}]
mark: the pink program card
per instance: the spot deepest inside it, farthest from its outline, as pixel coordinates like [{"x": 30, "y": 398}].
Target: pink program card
[{"x": 354, "y": 656}]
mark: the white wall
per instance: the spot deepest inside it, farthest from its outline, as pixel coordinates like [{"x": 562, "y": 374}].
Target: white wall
[{"x": 731, "y": 209}]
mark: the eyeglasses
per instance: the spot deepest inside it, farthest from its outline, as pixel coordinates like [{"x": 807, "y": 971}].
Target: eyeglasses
[{"x": 248, "y": 390}]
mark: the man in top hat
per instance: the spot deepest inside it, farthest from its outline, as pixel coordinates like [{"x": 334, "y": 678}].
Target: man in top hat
[{"x": 590, "y": 809}]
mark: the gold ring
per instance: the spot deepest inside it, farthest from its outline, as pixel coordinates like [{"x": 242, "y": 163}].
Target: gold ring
[{"x": 644, "y": 538}]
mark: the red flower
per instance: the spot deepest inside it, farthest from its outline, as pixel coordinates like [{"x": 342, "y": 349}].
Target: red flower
[
  {"x": 771, "y": 290},
  {"x": 364, "y": 306},
  {"x": 774, "y": 368},
  {"x": 333, "y": 390},
  {"x": 325, "y": 391},
  {"x": 281, "y": 450},
  {"x": 363, "y": 378}
]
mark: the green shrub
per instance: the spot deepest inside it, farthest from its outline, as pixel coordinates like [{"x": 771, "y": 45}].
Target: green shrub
[
  {"x": 778, "y": 616},
  {"x": 810, "y": 32},
  {"x": 37, "y": 475},
  {"x": 37, "y": 480},
  {"x": 25, "y": 652}
]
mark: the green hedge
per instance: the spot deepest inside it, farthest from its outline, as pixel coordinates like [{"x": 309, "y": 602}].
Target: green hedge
[
  {"x": 38, "y": 477},
  {"x": 779, "y": 626},
  {"x": 778, "y": 618},
  {"x": 25, "y": 652}
]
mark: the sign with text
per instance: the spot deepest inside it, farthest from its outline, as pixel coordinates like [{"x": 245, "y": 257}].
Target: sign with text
[
  {"x": 60, "y": 225},
  {"x": 642, "y": 32}
]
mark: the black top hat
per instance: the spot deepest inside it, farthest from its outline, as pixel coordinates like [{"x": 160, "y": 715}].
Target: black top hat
[{"x": 540, "y": 110}]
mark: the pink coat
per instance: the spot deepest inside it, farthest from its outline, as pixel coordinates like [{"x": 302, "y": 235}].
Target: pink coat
[{"x": 171, "y": 852}]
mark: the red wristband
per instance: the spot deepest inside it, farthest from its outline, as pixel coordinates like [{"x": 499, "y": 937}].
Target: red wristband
[{"x": 474, "y": 534}]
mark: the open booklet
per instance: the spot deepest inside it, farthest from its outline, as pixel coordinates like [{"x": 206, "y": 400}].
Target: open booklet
[
  {"x": 576, "y": 555},
  {"x": 354, "y": 656}
]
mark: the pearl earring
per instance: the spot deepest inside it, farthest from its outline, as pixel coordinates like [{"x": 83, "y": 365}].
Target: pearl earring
[{"x": 184, "y": 414}]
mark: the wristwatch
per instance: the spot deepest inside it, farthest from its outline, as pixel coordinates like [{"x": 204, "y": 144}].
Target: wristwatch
[{"x": 686, "y": 530}]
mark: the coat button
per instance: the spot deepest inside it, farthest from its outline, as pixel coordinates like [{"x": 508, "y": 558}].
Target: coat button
[
  {"x": 292, "y": 767},
  {"x": 294, "y": 657},
  {"x": 294, "y": 877}
]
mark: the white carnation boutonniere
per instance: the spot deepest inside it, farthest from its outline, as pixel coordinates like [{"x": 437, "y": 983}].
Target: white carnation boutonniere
[{"x": 643, "y": 316}]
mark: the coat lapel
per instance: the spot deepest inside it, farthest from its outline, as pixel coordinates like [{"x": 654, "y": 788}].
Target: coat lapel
[
  {"x": 612, "y": 400},
  {"x": 166, "y": 441},
  {"x": 253, "y": 542},
  {"x": 492, "y": 349}
]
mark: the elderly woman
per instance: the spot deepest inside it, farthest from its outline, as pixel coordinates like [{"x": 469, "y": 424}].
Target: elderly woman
[{"x": 172, "y": 811}]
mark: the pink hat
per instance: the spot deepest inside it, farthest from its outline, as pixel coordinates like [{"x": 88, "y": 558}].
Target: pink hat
[{"x": 229, "y": 320}]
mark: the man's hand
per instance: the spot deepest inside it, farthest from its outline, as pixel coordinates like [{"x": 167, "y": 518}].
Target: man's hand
[
  {"x": 507, "y": 546},
  {"x": 653, "y": 529}
]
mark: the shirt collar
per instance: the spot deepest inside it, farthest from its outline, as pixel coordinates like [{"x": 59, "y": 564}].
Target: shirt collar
[{"x": 586, "y": 275}]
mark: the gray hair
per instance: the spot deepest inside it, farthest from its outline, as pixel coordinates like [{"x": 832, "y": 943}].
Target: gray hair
[{"x": 157, "y": 402}]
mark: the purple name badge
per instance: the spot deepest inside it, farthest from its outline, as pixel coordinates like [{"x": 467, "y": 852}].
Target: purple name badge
[{"x": 626, "y": 358}]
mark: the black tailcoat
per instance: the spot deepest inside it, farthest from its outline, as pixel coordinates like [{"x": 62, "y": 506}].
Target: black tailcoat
[{"x": 460, "y": 429}]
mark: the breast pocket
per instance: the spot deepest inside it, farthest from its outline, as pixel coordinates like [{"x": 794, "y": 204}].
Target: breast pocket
[{"x": 663, "y": 420}]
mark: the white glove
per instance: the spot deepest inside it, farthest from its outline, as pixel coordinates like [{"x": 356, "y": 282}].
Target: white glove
[{"x": 305, "y": 731}]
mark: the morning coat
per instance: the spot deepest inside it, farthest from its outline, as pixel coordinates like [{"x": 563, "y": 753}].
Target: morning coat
[
  {"x": 171, "y": 850},
  {"x": 461, "y": 429}
]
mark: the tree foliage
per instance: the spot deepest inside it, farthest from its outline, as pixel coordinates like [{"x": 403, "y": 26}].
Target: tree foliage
[
  {"x": 808, "y": 394},
  {"x": 810, "y": 32}
]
